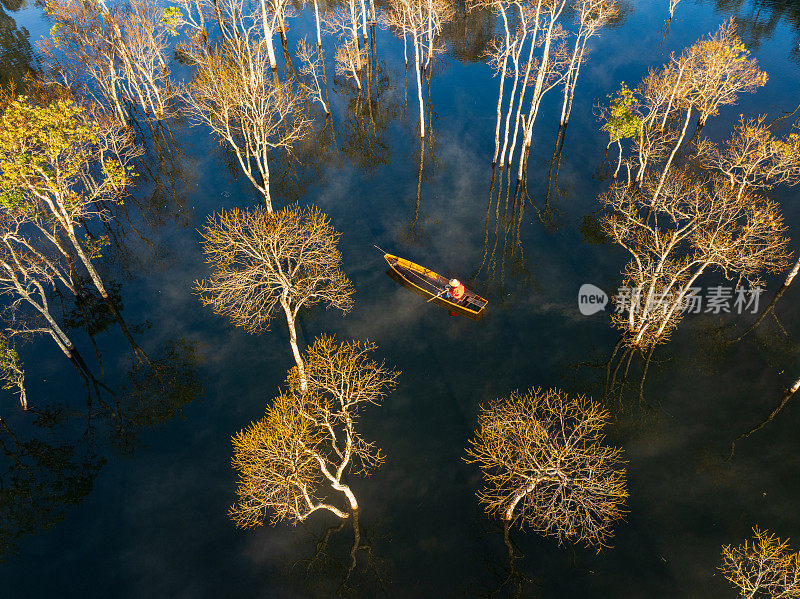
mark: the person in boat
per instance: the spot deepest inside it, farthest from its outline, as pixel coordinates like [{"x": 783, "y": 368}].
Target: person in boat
[{"x": 456, "y": 290}]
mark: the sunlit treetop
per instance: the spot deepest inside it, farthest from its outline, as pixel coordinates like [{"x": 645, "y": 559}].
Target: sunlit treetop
[
  {"x": 56, "y": 151},
  {"x": 622, "y": 121}
]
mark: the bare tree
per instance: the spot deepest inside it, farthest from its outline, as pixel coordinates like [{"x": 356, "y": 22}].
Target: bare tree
[
  {"x": 233, "y": 94},
  {"x": 754, "y": 158},
  {"x": 694, "y": 225},
  {"x": 709, "y": 74},
  {"x": 25, "y": 276},
  {"x": 343, "y": 22},
  {"x": 348, "y": 57},
  {"x": 310, "y": 67},
  {"x": 122, "y": 50},
  {"x": 309, "y": 437},
  {"x": 60, "y": 165},
  {"x": 592, "y": 15},
  {"x": 422, "y": 20},
  {"x": 266, "y": 262},
  {"x": 762, "y": 567},
  {"x": 545, "y": 466}
]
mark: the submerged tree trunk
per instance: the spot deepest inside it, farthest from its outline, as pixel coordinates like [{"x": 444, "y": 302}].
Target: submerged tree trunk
[
  {"x": 98, "y": 283},
  {"x": 273, "y": 63},
  {"x": 316, "y": 18},
  {"x": 419, "y": 86}
]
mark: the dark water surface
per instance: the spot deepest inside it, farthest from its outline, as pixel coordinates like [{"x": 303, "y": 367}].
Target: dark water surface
[{"x": 136, "y": 507}]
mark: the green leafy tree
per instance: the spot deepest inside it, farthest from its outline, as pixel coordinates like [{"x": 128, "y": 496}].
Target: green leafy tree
[{"x": 59, "y": 165}]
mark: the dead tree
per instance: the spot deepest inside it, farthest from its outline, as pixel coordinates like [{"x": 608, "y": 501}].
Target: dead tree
[
  {"x": 122, "y": 50},
  {"x": 26, "y": 274},
  {"x": 696, "y": 224},
  {"x": 310, "y": 69},
  {"x": 233, "y": 94},
  {"x": 309, "y": 437},
  {"x": 592, "y": 16},
  {"x": 422, "y": 20},
  {"x": 263, "y": 263},
  {"x": 709, "y": 74},
  {"x": 753, "y": 158},
  {"x": 545, "y": 466},
  {"x": 762, "y": 567}
]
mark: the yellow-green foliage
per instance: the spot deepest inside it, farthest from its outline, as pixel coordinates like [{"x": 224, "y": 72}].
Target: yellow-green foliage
[
  {"x": 622, "y": 121},
  {"x": 46, "y": 151}
]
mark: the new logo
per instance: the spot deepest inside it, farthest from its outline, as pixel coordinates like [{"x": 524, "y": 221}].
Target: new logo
[{"x": 591, "y": 299}]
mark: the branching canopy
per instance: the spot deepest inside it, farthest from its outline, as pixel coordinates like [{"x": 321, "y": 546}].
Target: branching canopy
[
  {"x": 263, "y": 261},
  {"x": 545, "y": 466}
]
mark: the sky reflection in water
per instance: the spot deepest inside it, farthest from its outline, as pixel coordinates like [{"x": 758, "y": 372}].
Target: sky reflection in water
[{"x": 153, "y": 521}]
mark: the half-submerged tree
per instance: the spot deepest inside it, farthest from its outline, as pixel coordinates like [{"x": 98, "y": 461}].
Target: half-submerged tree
[
  {"x": 422, "y": 20},
  {"x": 26, "y": 275},
  {"x": 263, "y": 263},
  {"x": 60, "y": 165},
  {"x": 592, "y": 16},
  {"x": 697, "y": 223},
  {"x": 545, "y": 465},
  {"x": 234, "y": 93},
  {"x": 708, "y": 75},
  {"x": 309, "y": 439},
  {"x": 120, "y": 51},
  {"x": 310, "y": 60},
  {"x": 762, "y": 567}
]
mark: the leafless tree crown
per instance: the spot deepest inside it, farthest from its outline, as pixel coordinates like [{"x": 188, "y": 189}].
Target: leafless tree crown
[
  {"x": 263, "y": 261},
  {"x": 309, "y": 437},
  {"x": 545, "y": 465},
  {"x": 762, "y": 567}
]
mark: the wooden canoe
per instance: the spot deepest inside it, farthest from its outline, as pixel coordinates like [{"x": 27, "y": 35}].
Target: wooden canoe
[{"x": 432, "y": 284}]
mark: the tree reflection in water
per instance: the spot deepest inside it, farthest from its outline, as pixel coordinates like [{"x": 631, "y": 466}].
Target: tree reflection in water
[
  {"x": 16, "y": 55},
  {"x": 343, "y": 566},
  {"x": 509, "y": 575},
  {"x": 502, "y": 246},
  {"x": 364, "y": 130},
  {"x": 52, "y": 455}
]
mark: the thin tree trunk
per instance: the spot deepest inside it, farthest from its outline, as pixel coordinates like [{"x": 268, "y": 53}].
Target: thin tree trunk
[
  {"x": 787, "y": 395},
  {"x": 364, "y": 21},
  {"x": 569, "y": 79},
  {"x": 619, "y": 161},
  {"x": 98, "y": 283},
  {"x": 316, "y": 18},
  {"x": 573, "y": 84},
  {"x": 502, "y": 85},
  {"x": 512, "y": 100},
  {"x": 672, "y": 155},
  {"x": 273, "y": 63},
  {"x": 419, "y": 87}
]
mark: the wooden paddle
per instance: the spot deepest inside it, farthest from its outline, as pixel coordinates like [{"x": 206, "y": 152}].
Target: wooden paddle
[{"x": 437, "y": 295}]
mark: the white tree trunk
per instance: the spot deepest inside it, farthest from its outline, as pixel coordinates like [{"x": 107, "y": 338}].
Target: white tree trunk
[
  {"x": 268, "y": 36},
  {"x": 509, "y": 513},
  {"x": 419, "y": 87},
  {"x": 364, "y": 20},
  {"x": 316, "y": 17},
  {"x": 301, "y": 371},
  {"x": 672, "y": 155},
  {"x": 98, "y": 283}
]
